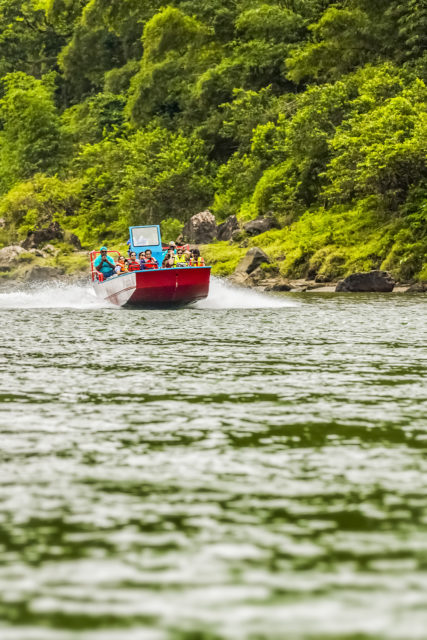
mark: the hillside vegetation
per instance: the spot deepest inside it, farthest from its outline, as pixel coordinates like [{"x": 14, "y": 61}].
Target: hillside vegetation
[{"x": 115, "y": 112}]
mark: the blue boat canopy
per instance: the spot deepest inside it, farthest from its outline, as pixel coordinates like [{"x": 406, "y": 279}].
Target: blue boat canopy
[{"x": 146, "y": 237}]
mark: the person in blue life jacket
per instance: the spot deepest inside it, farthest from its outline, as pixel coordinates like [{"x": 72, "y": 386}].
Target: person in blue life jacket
[{"x": 104, "y": 264}]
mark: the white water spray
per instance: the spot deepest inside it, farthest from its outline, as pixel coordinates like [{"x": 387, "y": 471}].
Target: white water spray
[
  {"x": 222, "y": 295},
  {"x": 51, "y": 296}
]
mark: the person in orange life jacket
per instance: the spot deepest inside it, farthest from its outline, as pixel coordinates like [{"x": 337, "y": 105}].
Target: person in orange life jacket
[
  {"x": 149, "y": 261},
  {"x": 196, "y": 259},
  {"x": 133, "y": 263},
  {"x": 121, "y": 265}
]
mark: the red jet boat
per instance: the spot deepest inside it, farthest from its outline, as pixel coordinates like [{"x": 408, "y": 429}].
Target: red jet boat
[{"x": 151, "y": 288}]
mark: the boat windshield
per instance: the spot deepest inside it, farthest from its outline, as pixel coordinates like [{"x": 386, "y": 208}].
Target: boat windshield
[{"x": 145, "y": 236}]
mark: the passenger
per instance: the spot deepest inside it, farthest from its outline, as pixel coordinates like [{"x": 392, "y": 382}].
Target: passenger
[
  {"x": 141, "y": 258},
  {"x": 196, "y": 259},
  {"x": 133, "y": 263},
  {"x": 104, "y": 264},
  {"x": 169, "y": 260},
  {"x": 187, "y": 255},
  {"x": 150, "y": 262},
  {"x": 121, "y": 266},
  {"x": 180, "y": 260},
  {"x": 172, "y": 246}
]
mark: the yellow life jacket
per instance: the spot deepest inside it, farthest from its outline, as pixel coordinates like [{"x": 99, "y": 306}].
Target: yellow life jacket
[{"x": 180, "y": 261}]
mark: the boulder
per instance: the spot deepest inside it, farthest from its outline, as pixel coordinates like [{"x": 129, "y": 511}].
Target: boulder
[
  {"x": 225, "y": 230},
  {"x": 417, "y": 287},
  {"x": 279, "y": 285},
  {"x": 252, "y": 260},
  {"x": 41, "y": 236},
  {"x": 200, "y": 229},
  {"x": 260, "y": 225},
  {"x": 372, "y": 281},
  {"x": 50, "y": 249},
  {"x": 40, "y": 274},
  {"x": 72, "y": 239},
  {"x": 9, "y": 254}
]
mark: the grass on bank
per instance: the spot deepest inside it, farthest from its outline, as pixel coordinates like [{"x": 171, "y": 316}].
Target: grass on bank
[{"x": 338, "y": 242}]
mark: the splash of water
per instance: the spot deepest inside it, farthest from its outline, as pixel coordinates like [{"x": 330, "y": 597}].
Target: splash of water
[
  {"x": 51, "y": 296},
  {"x": 222, "y": 295}
]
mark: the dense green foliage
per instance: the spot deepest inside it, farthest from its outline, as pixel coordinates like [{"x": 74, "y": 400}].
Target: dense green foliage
[{"x": 128, "y": 111}]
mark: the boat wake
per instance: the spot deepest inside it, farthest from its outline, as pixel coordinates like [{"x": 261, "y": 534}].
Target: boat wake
[
  {"x": 222, "y": 295},
  {"x": 51, "y": 296}
]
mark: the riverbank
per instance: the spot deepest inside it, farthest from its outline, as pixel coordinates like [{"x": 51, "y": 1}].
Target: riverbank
[{"x": 243, "y": 267}]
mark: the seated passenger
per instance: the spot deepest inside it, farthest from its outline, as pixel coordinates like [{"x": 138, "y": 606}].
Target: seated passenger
[
  {"x": 104, "y": 264},
  {"x": 149, "y": 262},
  {"x": 141, "y": 258},
  {"x": 121, "y": 266},
  {"x": 133, "y": 263},
  {"x": 169, "y": 259},
  {"x": 196, "y": 258},
  {"x": 180, "y": 260}
]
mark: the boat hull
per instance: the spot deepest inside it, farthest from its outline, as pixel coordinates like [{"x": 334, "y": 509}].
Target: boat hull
[{"x": 156, "y": 288}]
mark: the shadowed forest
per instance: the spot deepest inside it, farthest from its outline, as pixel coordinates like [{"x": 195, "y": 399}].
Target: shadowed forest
[{"x": 119, "y": 112}]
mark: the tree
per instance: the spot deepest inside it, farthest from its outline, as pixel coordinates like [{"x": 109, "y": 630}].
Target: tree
[
  {"x": 28, "y": 42},
  {"x": 174, "y": 53},
  {"x": 30, "y": 136}
]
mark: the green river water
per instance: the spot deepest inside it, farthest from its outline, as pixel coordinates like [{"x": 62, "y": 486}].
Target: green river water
[{"x": 254, "y": 467}]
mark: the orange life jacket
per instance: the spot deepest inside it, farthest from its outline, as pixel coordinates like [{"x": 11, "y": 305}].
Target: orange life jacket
[
  {"x": 134, "y": 266},
  {"x": 150, "y": 263},
  {"x": 200, "y": 262}
]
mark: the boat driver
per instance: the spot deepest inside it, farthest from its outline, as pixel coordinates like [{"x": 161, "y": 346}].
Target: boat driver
[{"x": 105, "y": 264}]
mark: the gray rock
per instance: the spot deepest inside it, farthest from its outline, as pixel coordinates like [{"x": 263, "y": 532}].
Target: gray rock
[
  {"x": 72, "y": 239},
  {"x": 50, "y": 249},
  {"x": 225, "y": 230},
  {"x": 279, "y": 285},
  {"x": 40, "y": 274},
  {"x": 322, "y": 278},
  {"x": 253, "y": 259},
  {"x": 10, "y": 253},
  {"x": 41, "y": 236},
  {"x": 372, "y": 281},
  {"x": 417, "y": 287},
  {"x": 200, "y": 229},
  {"x": 261, "y": 225}
]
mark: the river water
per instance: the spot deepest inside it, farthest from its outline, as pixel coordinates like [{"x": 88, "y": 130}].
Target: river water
[{"x": 254, "y": 467}]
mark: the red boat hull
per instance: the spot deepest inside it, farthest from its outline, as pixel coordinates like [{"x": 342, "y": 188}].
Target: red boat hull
[{"x": 156, "y": 288}]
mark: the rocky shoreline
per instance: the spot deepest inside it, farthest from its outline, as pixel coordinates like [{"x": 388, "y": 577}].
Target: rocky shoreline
[
  {"x": 253, "y": 272},
  {"x": 38, "y": 260}
]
